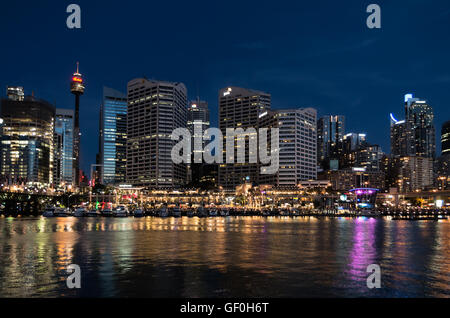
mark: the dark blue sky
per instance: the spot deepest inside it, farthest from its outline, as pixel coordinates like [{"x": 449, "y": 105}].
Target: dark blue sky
[{"x": 305, "y": 53}]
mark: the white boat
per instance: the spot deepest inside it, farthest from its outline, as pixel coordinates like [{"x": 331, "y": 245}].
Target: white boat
[
  {"x": 138, "y": 213},
  {"x": 49, "y": 212},
  {"x": 224, "y": 212},
  {"x": 80, "y": 212},
  {"x": 120, "y": 212},
  {"x": 162, "y": 212},
  {"x": 61, "y": 212},
  {"x": 213, "y": 212}
]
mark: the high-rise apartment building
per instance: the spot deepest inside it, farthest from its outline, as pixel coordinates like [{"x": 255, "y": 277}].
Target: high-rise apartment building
[
  {"x": 420, "y": 130},
  {"x": 297, "y": 141},
  {"x": 414, "y": 173},
  {"x": 443, "y": 162},
  {"x": 63, "y": 167},
  {"x": 445, "y": 138},
  {"x": 369, "y": 156},
  {"x": 113, "y": 137},
  {"x": 27, "y": 141},
  {"x": 330, "y": 132},
  {"x": 155, "y": 110},
  {"x": 398, "y": 137},
  {"x": 240, "y": 108}
]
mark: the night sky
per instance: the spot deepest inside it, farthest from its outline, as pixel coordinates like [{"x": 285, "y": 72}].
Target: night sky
[{"x": 305, "y": 53}]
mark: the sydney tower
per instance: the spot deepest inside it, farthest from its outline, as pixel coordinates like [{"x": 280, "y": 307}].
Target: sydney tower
[{"x": 77, "y": 88}]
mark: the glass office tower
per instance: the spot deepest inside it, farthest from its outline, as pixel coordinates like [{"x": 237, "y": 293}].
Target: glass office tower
[
  {"x": 64, "y": 168},
  {"x": 27, "y": 141},
  {"x": 113, "y": 136}
]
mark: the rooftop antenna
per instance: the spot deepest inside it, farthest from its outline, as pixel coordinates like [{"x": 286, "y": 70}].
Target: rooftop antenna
[{"x": 78, "y": 66}]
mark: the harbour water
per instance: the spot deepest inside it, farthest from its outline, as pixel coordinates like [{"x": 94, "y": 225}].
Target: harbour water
[{"x": 224, "y": 257}]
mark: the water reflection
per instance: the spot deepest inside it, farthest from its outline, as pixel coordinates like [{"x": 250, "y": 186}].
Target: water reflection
[{"x": 223, "y": 257}]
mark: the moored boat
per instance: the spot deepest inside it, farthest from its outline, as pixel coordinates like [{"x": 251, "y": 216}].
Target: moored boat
[
  {"x": 163, "y": 212},
  {"x": 212, "y": 212},
  {"x": 49, "y": 212},
  {"x": 120, "y": 212},
  {"x": 61, "y": 212},
  {"x": 138, "y": 213},
  {"x": 80, "y": 212}
]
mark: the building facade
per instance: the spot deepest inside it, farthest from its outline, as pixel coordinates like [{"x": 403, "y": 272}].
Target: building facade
[
  {"x": 420, "y": 130},
  {"x": 27, "y": 141},
  {"x": 347, "y": 179},
  {"x": 240, "y": 108},
  {"x": 155, "y": 110},
  {"x": 197, "y": 116},
  {"x": 113, "y": 137},
  {"x": 414, "y": 173},
  {"x": 330, "y": 131},
  {"x": 445, "y": 138},
  {"x": 298, "y": 141},
  {"x": 443, "y": 162},
  {"x": 63, "y": 167},
  {"x": 398, "y": 137}
]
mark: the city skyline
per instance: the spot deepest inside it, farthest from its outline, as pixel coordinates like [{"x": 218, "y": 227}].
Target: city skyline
[{"x": 352, "y": 71}]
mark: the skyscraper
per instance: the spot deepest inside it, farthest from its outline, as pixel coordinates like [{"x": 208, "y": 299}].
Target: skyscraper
[
  {"x": 445, "y": 138},
  {"x": 155, "y": 109},
  {"x": 330, "y": 131},
  {"x": 27, "y": 141},
  {"x": 443, "y": 162},
  {"x": 113, "y": 136},
  {"x": 398, "y": 137},
  {"x": 197, "y": 115},
  {"x": 298, "y": 141},
  {"x": 77, "y": 88},
  {"x": 420, "y": 130},
  {"x": 240, "y": 108},
  {"x": 63, "y": 172}
]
